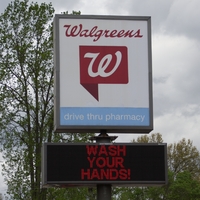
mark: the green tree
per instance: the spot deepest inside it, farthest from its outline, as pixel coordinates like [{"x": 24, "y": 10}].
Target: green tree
[
  {"x": 26, "y": 79},
  {"x": 183, "y": 156},
  {"x": 130, "y": 193},
  {"x": 153, "y": 138},
  {"x": 182, "y": 186},
  {"x": 183, "y": 173},
  {"x": 26, "y": 97},
  {"x": 71, "y": 193}
]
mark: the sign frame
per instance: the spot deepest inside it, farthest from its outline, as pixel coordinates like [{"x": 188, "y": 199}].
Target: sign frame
[
  {"x": 59, "y": 169},
  {"x": 92, "y": 127}
]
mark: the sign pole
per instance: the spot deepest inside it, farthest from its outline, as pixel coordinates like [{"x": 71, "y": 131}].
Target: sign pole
[{"x": 104, "y": 190}]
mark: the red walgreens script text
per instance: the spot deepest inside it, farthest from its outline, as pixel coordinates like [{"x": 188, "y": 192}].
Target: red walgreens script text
[
  {"x": 78, "y": 30},
  {"x": 106, "y": 163}
]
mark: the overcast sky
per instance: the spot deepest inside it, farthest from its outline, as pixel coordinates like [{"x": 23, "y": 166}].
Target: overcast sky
[{"x": 176, "y": 59}]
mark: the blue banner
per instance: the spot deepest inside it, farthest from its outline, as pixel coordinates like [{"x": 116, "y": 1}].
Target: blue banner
[{"x": 103, "y": 116}]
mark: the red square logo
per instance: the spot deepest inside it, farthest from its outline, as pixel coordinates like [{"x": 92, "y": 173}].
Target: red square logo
[{"x": 102, "y": 65}]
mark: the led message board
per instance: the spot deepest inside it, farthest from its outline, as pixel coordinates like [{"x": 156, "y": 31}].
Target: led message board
[
  {"x": 117, "y": 164},
  {"x": 103, "y": 74}
]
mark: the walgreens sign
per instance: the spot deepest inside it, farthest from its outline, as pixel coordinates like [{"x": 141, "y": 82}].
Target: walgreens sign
[{"x": 102, "y": 74}]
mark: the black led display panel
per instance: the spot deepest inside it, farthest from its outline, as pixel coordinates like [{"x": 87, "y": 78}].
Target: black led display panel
[{"x": 116, "y": 164}]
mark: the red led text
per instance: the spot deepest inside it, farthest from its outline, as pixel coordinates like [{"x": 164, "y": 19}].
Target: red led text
[{"x": 106, "y": 162}]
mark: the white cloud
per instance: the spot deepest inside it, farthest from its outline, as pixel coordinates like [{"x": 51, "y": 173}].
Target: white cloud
[
  {"x": 181, "y": 123},
  {"x": 175, "y": 68},
  {"x": 184, "y": 18}
]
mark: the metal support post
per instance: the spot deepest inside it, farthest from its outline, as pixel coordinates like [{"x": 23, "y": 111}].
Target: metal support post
[{"x": 104, "y": 190}]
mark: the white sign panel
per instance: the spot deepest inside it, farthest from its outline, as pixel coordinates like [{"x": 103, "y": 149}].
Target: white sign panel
[{"x": 103, "y": 74}]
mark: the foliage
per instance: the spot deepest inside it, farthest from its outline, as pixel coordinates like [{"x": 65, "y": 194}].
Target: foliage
[
  {"x": 26, "y": 88},
  {"x": 71, "y": 193},
  {"x": 153, "y": 138},
  {"x": 183, "y": 174},
  {"x": 73, "y": 12},
  {"x": 129, "y": 193},
  {"x": 182, "y": 186},
  {"x": 26, "y": 80},
  {"x": 183, "y": 156}
]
